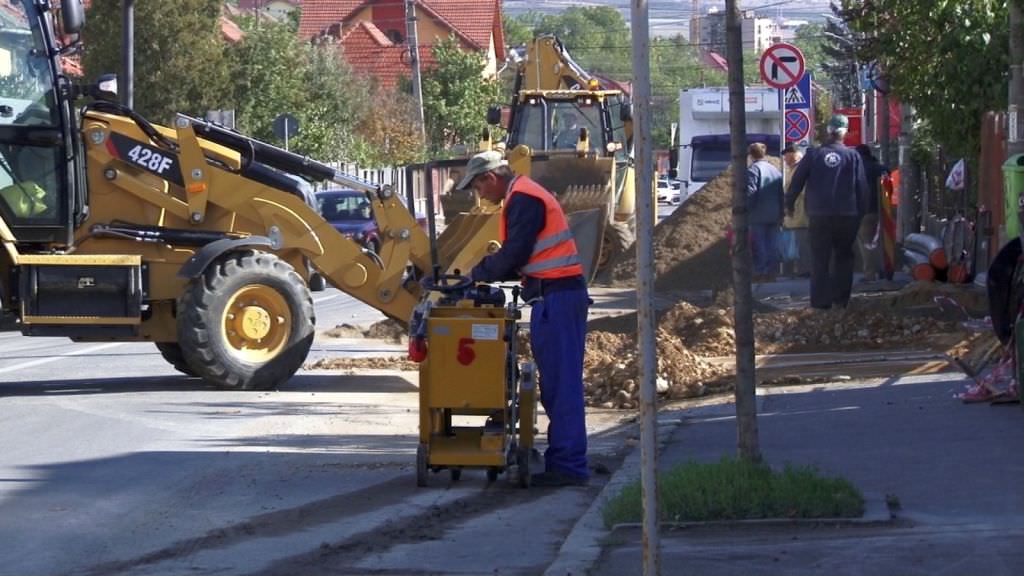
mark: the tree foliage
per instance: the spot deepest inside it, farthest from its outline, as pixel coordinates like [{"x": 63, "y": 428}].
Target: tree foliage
[
  {"x": 456, "y": 97},
  {"x": 948, "y": 58},
  {"x": 274, "y": 72},
  {"x": 179, "y": 54}
]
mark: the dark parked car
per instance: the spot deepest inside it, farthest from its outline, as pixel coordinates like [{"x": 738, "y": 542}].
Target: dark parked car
[{"x": 349, "y": 212}]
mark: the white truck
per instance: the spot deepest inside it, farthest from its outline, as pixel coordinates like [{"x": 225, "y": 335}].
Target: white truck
[{"x": 704, "y": 149}]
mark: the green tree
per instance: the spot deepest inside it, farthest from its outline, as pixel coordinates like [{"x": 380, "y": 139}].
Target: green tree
[
  {"x": 267, "y": 77},
  {"x": 387, "y": 133},
  {"x": 179, "y": 54},
  {"x": 456, "y": 97},
  {"x": 948, "y": 58}
]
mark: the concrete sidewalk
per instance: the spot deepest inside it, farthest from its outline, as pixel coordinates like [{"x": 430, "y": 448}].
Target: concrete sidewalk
[{"x": 956, "y": 470}]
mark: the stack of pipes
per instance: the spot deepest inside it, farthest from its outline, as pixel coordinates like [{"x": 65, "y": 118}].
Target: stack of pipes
[{"x": 925, "y": 256}]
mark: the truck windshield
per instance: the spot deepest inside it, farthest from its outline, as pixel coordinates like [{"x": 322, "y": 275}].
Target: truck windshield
[
  {"x": 709, "y": 162},
  {"x": 28, "y": 174}
]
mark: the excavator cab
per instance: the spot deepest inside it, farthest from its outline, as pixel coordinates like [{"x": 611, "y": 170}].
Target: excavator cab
[{"x": 40, "y": 180}]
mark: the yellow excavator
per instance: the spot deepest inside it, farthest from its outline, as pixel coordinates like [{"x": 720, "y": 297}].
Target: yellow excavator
[
  {"x": 571, "y": 132},
  {"x": 193, "y": 237}
]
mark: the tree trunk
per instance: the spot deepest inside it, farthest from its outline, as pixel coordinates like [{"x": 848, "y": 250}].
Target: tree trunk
[{"x": 746, "y": 395}]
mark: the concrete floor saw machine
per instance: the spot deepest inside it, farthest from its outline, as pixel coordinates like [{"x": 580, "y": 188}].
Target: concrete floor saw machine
[{"x": 478, "y": 404}]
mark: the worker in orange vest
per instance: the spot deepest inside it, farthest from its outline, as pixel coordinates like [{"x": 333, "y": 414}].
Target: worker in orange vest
[{"x": 538, "y": 248}]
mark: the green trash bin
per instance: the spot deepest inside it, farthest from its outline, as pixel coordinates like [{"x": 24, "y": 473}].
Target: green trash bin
[{"x": 1013, "y": 194}]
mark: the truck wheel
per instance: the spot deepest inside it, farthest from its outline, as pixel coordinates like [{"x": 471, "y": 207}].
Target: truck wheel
[
  {"x": 618, "y": 237},
  {"x": 171, "y": 352},
  {"x": 247, "y": 322}
]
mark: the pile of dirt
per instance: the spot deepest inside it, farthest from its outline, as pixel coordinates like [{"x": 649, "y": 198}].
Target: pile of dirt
[
  {"x": 389, "y": 330},
  {"x": 922, "y": 316},
  {"x": 353, "y": 365},
  {"x": 691, "y": 247},
  {"x": 611, "y": 370}
]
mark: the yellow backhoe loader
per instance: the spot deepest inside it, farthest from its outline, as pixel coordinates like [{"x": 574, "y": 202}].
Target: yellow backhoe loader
[
  {"x": 193, "y": 237},
  {"x": 572, "y": 133}
]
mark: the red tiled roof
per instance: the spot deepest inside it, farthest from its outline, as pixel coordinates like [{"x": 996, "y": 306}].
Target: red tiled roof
[
  {"x": 318, "y": 15},
  {"x": 230, "y": 31},
  {"x": 474, "y": 20},
  {"x": 368, "y": 51}
]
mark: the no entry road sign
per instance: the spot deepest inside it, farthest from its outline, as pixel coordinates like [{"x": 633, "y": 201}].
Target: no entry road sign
[{"x": 782, "y": 65}]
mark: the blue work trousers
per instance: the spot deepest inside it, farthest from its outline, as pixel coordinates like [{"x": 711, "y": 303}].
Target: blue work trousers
[
  {"x": 764, "y": 239},
  {"x": 558, "y": 334}
]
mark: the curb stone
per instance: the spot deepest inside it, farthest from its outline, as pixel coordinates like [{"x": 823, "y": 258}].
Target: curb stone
[{"x": 582, "y": 547}]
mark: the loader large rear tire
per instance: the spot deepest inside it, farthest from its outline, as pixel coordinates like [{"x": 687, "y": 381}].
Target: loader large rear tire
[
  {"x": 247, "y": 323},
  {"x": 171, "y": 352}
]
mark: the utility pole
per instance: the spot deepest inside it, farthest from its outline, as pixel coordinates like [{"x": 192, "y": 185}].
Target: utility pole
[
  {"x": 128, "y": 53},
  {"x": 645, "y": 211},
  {"x": 743, "y": 316},
  {"x": 412, "y": 41},
  {"x": 1015, "y": 143}
]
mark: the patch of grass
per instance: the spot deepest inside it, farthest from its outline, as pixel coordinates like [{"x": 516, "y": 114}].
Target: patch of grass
[{"x": 734, "y": 489}]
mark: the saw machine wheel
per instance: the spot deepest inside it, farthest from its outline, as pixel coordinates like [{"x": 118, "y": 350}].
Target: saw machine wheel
[{"x": 523, "y": 466}]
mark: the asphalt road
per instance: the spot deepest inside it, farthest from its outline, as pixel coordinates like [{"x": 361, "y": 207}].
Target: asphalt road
[{"x": 116, "y": 464}]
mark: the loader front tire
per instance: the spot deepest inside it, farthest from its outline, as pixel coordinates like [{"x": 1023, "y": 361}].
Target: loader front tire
[
  {"x": 171, "y": 352},
  {"x": 247, "y": 322}
]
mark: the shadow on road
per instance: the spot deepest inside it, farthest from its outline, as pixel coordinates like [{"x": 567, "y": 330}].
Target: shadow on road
[{"x": 325, "y": 383}]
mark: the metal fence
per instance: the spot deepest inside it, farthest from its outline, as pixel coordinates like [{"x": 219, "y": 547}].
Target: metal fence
[{"x": 420, "y": 186}]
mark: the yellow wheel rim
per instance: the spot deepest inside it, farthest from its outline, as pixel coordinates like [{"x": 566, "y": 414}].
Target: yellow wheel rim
[{"x": 257, "y": 322}]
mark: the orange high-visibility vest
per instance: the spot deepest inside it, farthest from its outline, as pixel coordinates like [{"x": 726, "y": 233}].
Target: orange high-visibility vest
[{"x": 554, "y": 254}]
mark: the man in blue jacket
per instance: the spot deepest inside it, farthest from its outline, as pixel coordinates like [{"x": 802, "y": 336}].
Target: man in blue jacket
[
  {"x": 832, "y": 176},
  {"x": 764, "y": 205}
]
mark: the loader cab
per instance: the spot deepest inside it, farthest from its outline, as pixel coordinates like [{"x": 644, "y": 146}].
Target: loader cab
[
  {"x": 552, "y": 121},
  {"x": 37, "y": 143}
]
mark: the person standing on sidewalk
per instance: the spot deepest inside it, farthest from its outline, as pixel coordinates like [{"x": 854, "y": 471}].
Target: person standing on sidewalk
[
  {"x": 832, "y": 179},
  {"x": 795, "y": 226},
  {"x": 868, "y": 238},
  {"x": 537, "y": 246},
  {"x": 764, "y": 205}
]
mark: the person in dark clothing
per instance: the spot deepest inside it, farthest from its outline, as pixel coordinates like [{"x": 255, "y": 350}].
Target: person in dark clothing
[
  {"x": 764, "y": 206},
  {"x": 868, "y": 237},
  {"x": 832, "y": 177},
  {"x": 537, "y": 247}
]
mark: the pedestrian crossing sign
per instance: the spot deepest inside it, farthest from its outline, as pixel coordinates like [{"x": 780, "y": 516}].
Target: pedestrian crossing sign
[{"x": 794, "y": 96}]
